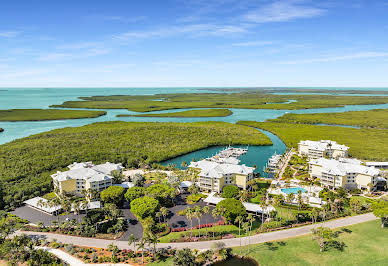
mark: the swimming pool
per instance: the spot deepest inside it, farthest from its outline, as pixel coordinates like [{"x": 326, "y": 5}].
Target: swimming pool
[{"x": 293, "y": 190}]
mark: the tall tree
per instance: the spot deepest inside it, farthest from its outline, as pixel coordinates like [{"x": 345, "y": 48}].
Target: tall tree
[{"x": 239, "y": 220}]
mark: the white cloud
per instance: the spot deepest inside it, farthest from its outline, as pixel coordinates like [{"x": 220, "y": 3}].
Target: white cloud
[
  {"x": 252, "y": 43},
  {"x": 280, "y": 11},
  {"x": 9, "y": 34},
  {"x": 362, "y": 55},
  {"x": 194, "y": 30}
]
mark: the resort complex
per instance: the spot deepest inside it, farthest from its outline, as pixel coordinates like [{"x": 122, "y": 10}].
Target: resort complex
[
  {"x": 322, "y": 149},
  {"x": 84, "y": 176}
]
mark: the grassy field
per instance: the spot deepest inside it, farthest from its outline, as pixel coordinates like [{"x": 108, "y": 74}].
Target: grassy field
[
  {"x": 366, "y": 244},
  {"x": 26, "y": 164},
  {"x": 245, "y": 100},
  {"x": 191, "y": 113},
  {"x": 364, "y": 143},
  {"x": 372, "y": 118},
  {"x": 14, "y": 115},
  {"x": 227, "y": 229}
]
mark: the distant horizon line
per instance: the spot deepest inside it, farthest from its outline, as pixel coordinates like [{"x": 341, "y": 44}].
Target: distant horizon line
[{"x": 188, "y": 87}]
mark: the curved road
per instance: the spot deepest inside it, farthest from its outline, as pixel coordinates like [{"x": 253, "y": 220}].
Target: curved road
[{"x": 234, "y": 242}]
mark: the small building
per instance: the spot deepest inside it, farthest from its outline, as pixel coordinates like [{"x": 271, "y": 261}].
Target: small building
[
  {"x": 214, "y": 176},
  {"x": 125, "y": 185},
  {"x": 322, "y": 149},
  {"x": 184, "y": 186},
  {"x": 250, "y": 207},
  {"x": 42, "y": 204},
  {"x": 86, "y": 175}
]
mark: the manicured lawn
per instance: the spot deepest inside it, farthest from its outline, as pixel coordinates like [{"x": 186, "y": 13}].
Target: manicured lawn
[
  {"x": 366, "y": 244},
  {"x": 227, "y": 229},
  {"x": 46, "y": 114},
  {"x": 364, "y": 143},
  {"x": 191, "y": 113},
  {"x": 220, "y": 228}
]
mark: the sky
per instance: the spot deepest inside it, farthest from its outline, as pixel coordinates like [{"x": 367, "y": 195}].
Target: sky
[{"x": 194, "y": 43}]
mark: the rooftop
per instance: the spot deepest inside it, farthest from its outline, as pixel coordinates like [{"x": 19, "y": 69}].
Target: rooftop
[
  {"x": 88, "y": 171},
  {"x": 339, "y": 168},
  {"x": 217, "y": 170},
  {"x": 323, "y": 145}
]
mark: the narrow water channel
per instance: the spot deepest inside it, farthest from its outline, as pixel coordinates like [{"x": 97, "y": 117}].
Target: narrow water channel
[{"x": 256, "y": 155}]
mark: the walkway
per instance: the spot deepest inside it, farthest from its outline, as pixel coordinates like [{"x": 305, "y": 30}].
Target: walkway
[
  {"x": 70, "y": 259},
  {"x": 285, "y": 163},
  {"x": 256, "y": 239}
]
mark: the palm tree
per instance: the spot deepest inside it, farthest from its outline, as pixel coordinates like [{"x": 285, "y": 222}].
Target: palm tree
[
  {"x": 197, "y": 214},
  {"x": 206, "y": 210},
  {"x": 215, "y": 214},
  {"x": 140, "y": 245},
  {"x": 77, "y": 209},
  {"x": 263, "y": 206},
  {"x": 164, "y": 212},
  {"x": 132, "y": 240},
  {"x": 290, "y": 198},
  {"x": 250, "y": 219},
  {"x": 239, "y": 220},
  {"x": 246, "y": 229},
  {"x": 153, "y": 239},
  {"x": 300, "y": 202},
  {"x": 243, "y": 195},
  {"x": 323, "y": 213},
  {"x": 158, "y": 215},
  {"x": 189, "y": 215}
]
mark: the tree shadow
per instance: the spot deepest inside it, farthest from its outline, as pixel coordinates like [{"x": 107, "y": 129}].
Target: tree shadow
[
  {"x": 334, "y": 244},
  {"x": 271, "y": 246}
]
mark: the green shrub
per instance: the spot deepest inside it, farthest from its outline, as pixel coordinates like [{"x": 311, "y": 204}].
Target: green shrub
[
  {"x": 230, "y": 192},
  {"x": 232, "y": 209},
  {"x": 144, "y": 207}
]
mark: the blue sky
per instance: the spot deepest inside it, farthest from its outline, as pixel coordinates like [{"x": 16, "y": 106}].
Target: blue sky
[{"x": 194, "y": 43}]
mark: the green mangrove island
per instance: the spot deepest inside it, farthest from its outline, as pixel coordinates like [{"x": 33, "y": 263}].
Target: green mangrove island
[
  {"x": 26, "y": 164},
  {"x": 373, "y": 118},
  {"x": 190, "y": 113},
  {"x": 364, "y": 143},
  {"x": 243, "y": 100},
  {"x": 14, "y": 115}
]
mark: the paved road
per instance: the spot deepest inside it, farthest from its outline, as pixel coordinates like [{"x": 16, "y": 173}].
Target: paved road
[{"x": 256, "y": 239}]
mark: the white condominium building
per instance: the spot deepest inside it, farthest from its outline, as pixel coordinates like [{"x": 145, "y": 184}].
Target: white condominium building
[
  {"x": 83, "y": 176},
  {"x": 347, "y": 173},
  {"x": 214, "y": 176},
  {"x": 322, "y": 149}
]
